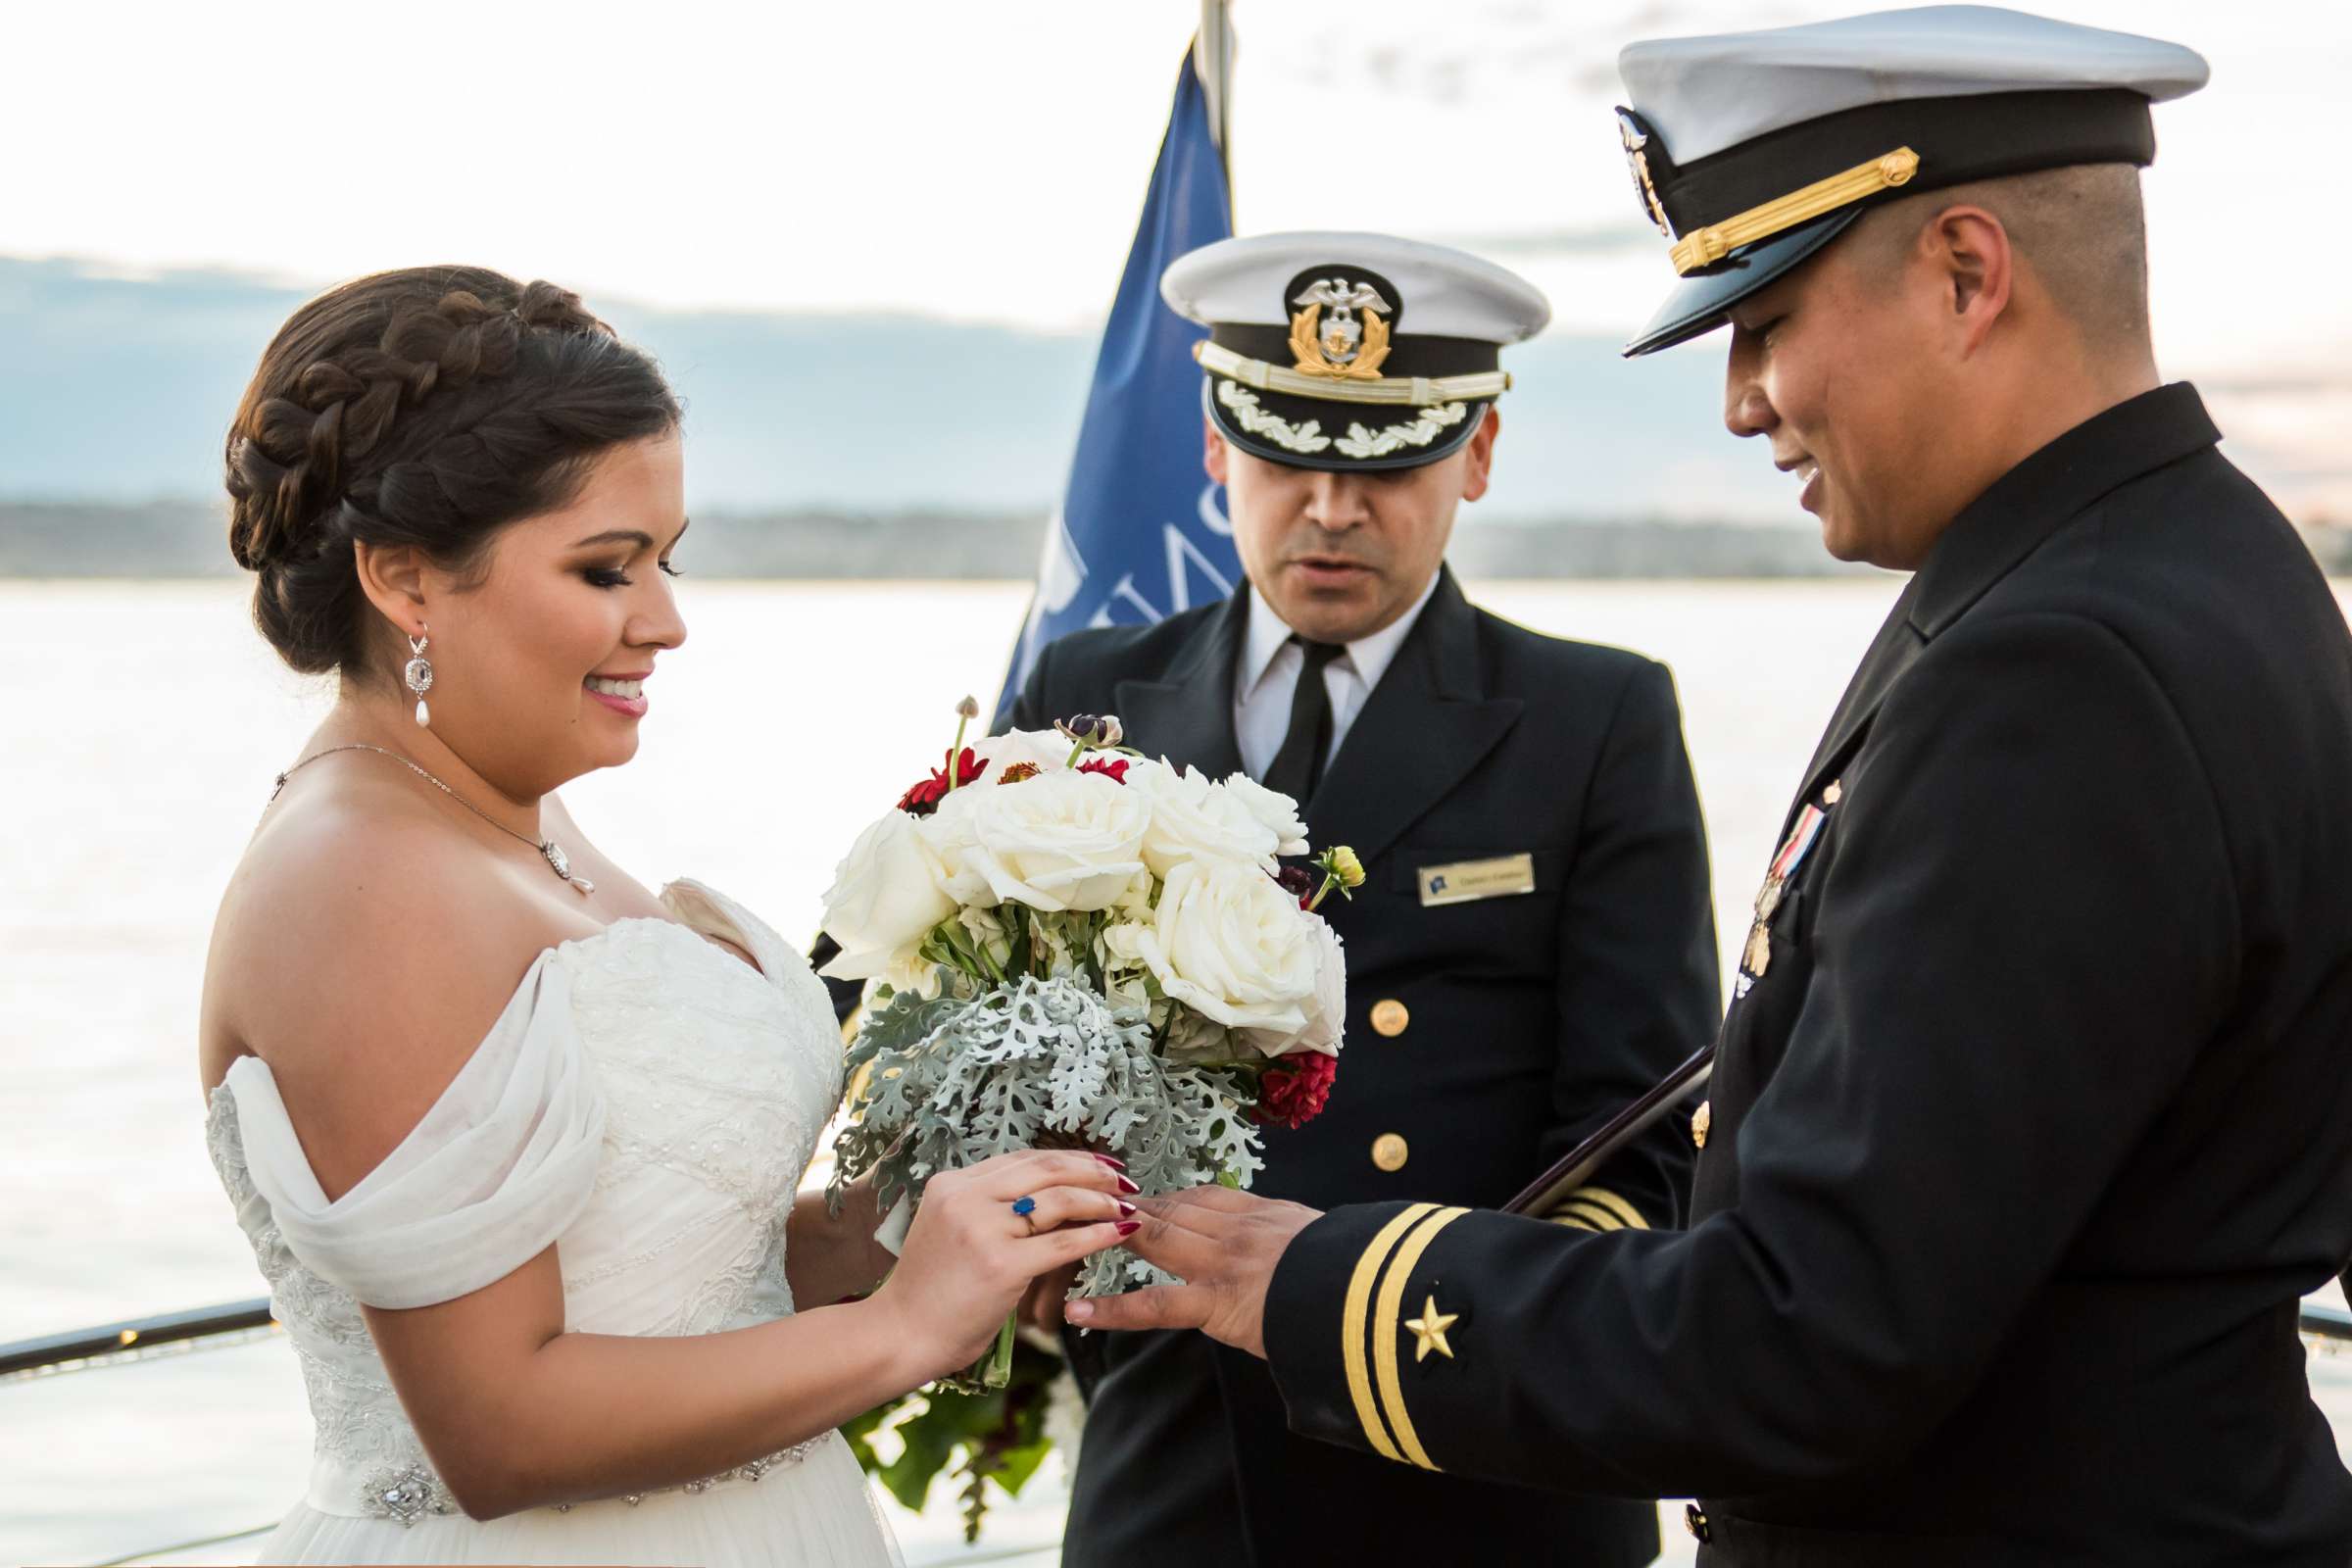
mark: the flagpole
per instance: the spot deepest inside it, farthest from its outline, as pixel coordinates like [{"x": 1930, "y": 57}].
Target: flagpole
[{"x": 1212, "y": 58}]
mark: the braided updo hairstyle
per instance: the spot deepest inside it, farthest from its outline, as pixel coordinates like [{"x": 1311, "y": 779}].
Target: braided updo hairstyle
[{"x": 429, "y": 408}]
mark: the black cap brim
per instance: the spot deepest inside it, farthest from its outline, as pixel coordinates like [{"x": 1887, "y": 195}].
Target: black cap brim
[
  {"x": 1331, "y": 429},
  {"x": 1699, "y": 302}
]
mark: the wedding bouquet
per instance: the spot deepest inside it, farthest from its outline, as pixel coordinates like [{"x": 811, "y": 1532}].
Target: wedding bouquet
[{"x": 1068, "y": 945}]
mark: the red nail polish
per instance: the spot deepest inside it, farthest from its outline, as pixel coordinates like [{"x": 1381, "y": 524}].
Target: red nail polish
[
  {"x": 1126, "y": 1208},
  {"x": 1126, "y": 1186},
  {"x": 1128, "y": 1227},
  {"x": 1114, "y": 1164}
]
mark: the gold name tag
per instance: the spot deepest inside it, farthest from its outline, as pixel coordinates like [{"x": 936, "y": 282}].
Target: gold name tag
[{"x": 1465, "y": 880}]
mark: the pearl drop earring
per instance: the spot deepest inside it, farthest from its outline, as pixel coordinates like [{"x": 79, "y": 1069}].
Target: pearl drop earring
[{"x": 420, "y": 676}]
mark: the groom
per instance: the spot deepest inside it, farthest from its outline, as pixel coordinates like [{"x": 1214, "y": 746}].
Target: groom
[
  {"x": 2032, "y": 1116},
  {"x": 1534, "y": 941}
]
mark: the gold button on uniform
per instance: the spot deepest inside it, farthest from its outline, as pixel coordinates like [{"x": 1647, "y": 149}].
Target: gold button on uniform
[
  {"x": 1389, "y": 1017},
  {"x": 1701, "y": 1120},
  {"x": 1695, "y": 1520},
  {"x": 1388, "y": 1152}
]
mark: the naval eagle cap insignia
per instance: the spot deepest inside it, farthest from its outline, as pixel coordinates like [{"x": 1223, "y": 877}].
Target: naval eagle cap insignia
[
  {"x": 1633, "y": 131},
  {"x": 1328, "y": 337}
]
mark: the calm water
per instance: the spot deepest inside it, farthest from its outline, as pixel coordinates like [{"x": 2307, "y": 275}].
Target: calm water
[{"x": 147, "y": 725}]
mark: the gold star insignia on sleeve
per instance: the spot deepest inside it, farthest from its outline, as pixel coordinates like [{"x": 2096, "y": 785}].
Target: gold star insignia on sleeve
[{"x": 1429, "y": 1331}]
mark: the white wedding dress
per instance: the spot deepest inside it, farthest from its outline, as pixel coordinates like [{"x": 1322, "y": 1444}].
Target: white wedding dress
[{"x": 647, "y": 1103}]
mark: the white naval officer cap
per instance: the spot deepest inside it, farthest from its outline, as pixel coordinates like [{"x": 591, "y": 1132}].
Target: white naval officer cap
[
  {"x": 1350, "y": 351},
  {"x": 1751, "y": 150}
]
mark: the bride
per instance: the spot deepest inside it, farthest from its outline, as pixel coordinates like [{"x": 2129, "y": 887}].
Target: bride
[{"x": 516, "y": 1141}]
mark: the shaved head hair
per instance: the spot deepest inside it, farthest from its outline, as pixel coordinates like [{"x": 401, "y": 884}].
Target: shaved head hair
[{"x": 2080, "y": 231}]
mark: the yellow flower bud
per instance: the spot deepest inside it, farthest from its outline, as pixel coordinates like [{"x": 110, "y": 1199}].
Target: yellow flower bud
[{"x": 1346, "y": 866}]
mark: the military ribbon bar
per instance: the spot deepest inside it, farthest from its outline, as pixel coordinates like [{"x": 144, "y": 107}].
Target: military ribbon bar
[{"x": 1800, "y": 839}]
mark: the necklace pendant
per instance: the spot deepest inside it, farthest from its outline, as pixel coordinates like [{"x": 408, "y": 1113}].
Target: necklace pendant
[{"x": 561, "y": 864}]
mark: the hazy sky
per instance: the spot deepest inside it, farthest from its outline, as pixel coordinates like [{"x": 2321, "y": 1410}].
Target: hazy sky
[{"x": 986, "y": 162}]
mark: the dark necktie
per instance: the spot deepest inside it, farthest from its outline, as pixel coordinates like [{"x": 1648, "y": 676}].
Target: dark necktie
[{"x": 1297, "y": 767}]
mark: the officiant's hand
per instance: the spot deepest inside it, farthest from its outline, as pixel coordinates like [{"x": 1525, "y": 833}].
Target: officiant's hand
[
  {"x": 1224, "y": 1246},
  {"x": 1041, "y": 1307}
]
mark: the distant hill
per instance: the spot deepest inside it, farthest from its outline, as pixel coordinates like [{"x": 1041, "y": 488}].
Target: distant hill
[
  {"x": 117, "y": 390},
  {"x": 187, "y": 539}
]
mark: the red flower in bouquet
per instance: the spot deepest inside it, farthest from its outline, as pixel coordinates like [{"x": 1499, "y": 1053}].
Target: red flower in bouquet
[
  {"x": 1112, "y": 767},
  {"x": 1293, "y": 1090},
  {"x": 923, "y": 796}
]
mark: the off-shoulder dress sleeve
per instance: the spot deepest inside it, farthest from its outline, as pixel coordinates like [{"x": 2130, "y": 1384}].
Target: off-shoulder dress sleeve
[{"x": 498, "y": 1168}]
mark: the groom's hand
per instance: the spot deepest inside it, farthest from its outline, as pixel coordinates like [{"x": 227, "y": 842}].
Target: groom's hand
[{"x": 1224, "y": 1246}]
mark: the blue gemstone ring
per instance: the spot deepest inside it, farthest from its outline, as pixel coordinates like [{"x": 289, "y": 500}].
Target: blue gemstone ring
[{"x": 1025, "y": 1206}]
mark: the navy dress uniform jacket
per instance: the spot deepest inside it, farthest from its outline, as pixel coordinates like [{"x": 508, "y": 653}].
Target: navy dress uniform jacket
[
  {"x": 2033, "y": 1125},
  {"x": 1484, "y": 1037}
]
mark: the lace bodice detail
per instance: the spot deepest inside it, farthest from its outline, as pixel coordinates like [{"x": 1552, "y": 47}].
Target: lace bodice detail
[{"x": 648, "y": 1101}]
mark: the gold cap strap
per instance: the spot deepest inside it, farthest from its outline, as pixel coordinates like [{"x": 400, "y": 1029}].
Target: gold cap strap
[
  {"x": 1416, "y": 391},
  {"x": 1704, "y": 247}
]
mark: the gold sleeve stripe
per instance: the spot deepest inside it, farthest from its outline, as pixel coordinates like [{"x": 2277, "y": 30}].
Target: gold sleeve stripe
[
  {"x": 1388, "y": 1317},
  {"x": 1627, "y": 1215},
  {"x": 1353, "y": 1315},
  {"x": 1591, "y": 1216},
  {"x": 1576, "y": 1221}
]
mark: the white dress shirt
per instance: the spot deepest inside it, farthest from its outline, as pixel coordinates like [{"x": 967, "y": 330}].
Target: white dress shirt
[{"x": 1268, "y": 675}]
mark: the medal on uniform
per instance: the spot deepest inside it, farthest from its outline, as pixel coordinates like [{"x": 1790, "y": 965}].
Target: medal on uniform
[{"x": 1757, "y": 957}]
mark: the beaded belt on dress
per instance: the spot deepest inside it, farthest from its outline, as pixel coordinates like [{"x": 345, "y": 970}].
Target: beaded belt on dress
[{"x": 406, "y": 1493}]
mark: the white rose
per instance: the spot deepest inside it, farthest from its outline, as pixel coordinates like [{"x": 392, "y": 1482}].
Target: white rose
[
  {"x": 1058, "y": 841},
  {"x": 1277, "y": 811},
  {"x": 1229, "y": 943},
  {"x": 1042, "y": 748},
  {"x": 887, "y": 892},
  {"x": 1327, "y": 1011},
  {"x": 1192, "y": 817}
]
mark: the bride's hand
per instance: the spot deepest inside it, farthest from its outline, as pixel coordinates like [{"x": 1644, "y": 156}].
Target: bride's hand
[{"x": 968, "y": 1257}]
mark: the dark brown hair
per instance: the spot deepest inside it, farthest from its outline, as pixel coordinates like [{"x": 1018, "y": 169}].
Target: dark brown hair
[{"x": 429, "y": 407}]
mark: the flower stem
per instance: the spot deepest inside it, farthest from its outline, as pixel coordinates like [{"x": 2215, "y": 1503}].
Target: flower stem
[
  {"x": 991, "y": 1371},
  {"x": 955, "y": 752}
]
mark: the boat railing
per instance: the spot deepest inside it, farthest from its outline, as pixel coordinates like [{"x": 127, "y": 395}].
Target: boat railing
[
  {"x": 2325, "y": 1329},
  {"x": 135, "y": 1339}
]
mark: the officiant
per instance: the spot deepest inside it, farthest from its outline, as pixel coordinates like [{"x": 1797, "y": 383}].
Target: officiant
[
  {"x": 1534, "y": 944},
  {"x": 2028, "y": 1125}
]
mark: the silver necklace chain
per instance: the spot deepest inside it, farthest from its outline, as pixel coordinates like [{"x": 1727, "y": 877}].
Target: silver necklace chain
[{"x": 549, "y": 850}]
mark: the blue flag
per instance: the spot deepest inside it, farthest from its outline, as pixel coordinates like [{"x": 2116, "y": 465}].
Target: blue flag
[{"x": 1142, "y": 532}]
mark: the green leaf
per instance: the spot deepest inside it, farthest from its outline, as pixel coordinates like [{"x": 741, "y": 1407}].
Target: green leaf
[
  {"x": 1015, "y": 1467},
  {"x": 929, "y": 1444}
]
